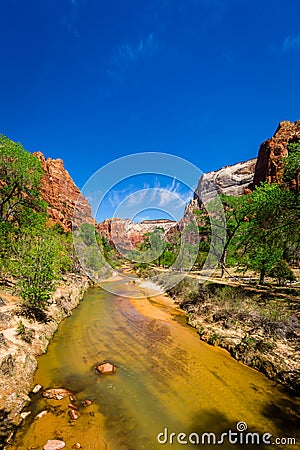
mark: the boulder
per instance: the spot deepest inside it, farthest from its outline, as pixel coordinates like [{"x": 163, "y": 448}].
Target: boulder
[
  {"x": 56, "y": 394},
  {"x": 106, "y": 368},
  {"x": 54, "y": 444},
  {"x": 41, "y": 414},
  {"x": 36, "y": 388},
  {"x": 74, "y": 414},
  {"x": 72, "y": 406},
  {"x": 86, "y": 402}
]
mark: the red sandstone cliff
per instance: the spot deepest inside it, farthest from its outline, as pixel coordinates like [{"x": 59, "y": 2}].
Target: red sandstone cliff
[
  {"x": 269, "y": 165},
  {"x": 60, "y": 192}
]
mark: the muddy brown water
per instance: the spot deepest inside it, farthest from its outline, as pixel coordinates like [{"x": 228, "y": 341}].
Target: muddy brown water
[{"x": 167, "y": 381}]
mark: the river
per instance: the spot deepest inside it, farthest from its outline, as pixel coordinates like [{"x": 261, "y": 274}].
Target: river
[{"x": 166, "y": 381}]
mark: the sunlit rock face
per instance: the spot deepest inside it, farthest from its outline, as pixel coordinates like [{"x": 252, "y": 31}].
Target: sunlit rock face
[
  {"x": 60, "y": 192},
  {"x": 127, "y": 234},
  {"x": 229, "y": 180},
  {"x": 270, "y": 160}
]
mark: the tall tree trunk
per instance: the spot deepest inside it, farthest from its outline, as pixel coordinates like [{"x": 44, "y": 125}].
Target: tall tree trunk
[
  {"x": 262, "y": 275},
  {"x": 223, "y": 264}
]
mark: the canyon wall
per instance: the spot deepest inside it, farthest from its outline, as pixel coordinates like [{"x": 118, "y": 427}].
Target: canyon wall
[
  {"x": 270, "y": 160},
  {"x": 229, "y": 180},
  {"x": 60, "y": 192},
  {"x": 127, "y": 234}
]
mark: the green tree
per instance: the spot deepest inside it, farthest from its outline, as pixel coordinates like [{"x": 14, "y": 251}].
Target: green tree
[
  {"x": 270, "y": 221},
  {"x": 38, "y": 261},
  {"x": 20, "y": 176},
  {"x": 291, "y": 164},
  {"x": 282, "y": 272},
  {"x": 219, "y": 233}
]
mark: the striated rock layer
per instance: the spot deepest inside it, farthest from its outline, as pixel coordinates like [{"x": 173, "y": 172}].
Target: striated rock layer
[
  {"x": 60, "y": 192},
  {"x": 125, "y": 233},
  {"x": 269, "y": 166},
  {"x": 229, "y": 180}
]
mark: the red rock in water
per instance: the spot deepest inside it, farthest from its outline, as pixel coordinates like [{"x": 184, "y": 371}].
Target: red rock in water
[
  {"x": 106, "y": 368},
  {"x": 56, "y": 394},
  {"x": 54, "y": 444},
  {"x": 72, "y": 406},
  {"x": 86, "y": 402},
  {"x": 73, "y": 414}
]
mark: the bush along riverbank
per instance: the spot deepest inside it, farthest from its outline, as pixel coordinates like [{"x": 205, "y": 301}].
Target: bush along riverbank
[
  {"x": 257, "y": 328},
  {"x": 22, "y": 339}
]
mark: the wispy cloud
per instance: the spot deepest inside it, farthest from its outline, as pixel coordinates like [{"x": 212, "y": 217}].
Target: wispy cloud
[
  {"x": 291, "y": 43},
  {"x": 170, "y": 198},
  {"x": 73, "y": 19},
  {"x": 137, "y": 198},
  {"x": 128, "y": 54}
]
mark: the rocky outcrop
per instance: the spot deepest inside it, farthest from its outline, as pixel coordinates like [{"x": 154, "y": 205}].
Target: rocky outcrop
[
  {"x": 60, "y": 192},
  {"x": 126, "y": 234},
  {"x": 229, "y": 180},
  {"x": 269, "y": 166}
]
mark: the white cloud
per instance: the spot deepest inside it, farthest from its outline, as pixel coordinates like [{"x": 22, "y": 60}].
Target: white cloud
[
  {"x": 73, "y": 19},
  {"x": 114, "y": 198},
  {"x": 127, "y": 54},
  {"x": 138, "y": 197},
  {"x": 130, "y": 201},
  {"x": 291, "y": 43},
  {"x": 132, "y": 52}
]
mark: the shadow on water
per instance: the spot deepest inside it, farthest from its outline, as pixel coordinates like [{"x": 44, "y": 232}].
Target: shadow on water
[
  {"x": 285, "y": 416},
  {"x": 215, "y": 423}
]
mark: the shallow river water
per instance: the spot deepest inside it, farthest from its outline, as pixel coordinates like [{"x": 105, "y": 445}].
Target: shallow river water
[{"x": 167, "y": 381}]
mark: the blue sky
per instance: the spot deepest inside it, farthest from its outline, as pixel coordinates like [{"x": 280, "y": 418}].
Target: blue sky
[{"x": 90, "y": 81}]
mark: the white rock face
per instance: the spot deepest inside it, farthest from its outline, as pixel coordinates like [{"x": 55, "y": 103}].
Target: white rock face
[{"x": 229, "y": 180}]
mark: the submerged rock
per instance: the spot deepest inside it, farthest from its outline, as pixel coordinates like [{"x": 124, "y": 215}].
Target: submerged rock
[
  {"x": 106, "y": 368},
  {"x": 72, "y": 406},
  {"x": 41, "y": 414},
  {"x": 76, "y": 445},
  {"x": 36, "y": 388},
  {"x": 56, "y": 394},
  {"x": 54, "y": 444},
  {"x": 86, "y": 402},
  {"x": 74, "y": 414},
  {"x": 24, "y": 414}
]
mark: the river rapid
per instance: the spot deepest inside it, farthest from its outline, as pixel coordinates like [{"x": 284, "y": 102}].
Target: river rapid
[{"x": 166, "y": 381}]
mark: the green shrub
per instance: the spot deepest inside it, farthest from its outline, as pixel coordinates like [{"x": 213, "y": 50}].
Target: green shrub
[
  {"x": 26, "y": 334},
  {"x": 282, "y": 272}
]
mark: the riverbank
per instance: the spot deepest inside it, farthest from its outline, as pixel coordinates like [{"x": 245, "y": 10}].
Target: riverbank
[
  {"x": 257, "y": 328},
  {"x": 18, "y": 352}
]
